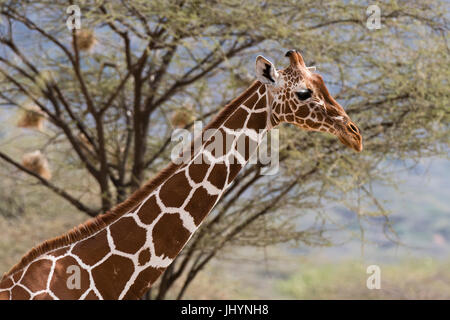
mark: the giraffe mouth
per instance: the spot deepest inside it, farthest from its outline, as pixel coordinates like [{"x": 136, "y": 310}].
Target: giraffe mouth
[{"x": 351, "y": 142}]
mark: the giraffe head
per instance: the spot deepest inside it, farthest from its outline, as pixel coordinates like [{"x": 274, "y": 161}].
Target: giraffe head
[{"x": 299, "y": 96}]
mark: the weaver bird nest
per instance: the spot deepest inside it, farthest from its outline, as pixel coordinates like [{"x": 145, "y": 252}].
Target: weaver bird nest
[
  {"x": 85, "y": 39},
  {"x": 183, "y": 116},
  {"x": 32, "y": 117},
  {"x": 36, "y": 162}
]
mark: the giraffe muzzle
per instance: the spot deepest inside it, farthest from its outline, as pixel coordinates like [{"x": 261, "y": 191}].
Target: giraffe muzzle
[{"x": 351, "y": 137}]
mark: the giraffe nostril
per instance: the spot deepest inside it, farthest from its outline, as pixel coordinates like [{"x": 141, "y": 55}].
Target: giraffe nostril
[{"x": 353, "y": 128}]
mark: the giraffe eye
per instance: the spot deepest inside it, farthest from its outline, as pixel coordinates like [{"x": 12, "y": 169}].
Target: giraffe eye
[{"x": 304, "y": 94}]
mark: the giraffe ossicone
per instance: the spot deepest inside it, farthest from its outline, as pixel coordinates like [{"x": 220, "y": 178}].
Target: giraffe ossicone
[{"x": 120, "y": 254}]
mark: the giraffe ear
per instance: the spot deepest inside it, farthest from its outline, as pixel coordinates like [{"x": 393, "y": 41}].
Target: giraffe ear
[{"x": 265, "y": 71}]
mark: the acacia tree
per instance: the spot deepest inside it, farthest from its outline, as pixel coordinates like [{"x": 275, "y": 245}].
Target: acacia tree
[{"x": 108, "y": 103}]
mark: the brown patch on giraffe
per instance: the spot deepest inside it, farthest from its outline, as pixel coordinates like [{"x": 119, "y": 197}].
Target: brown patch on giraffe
[
  {"x": 290, "y": 118},
  {"x": 43, "y": 296},
  {"x": 35, "y": 278},
  {"x": 17, "y": 276},
  {"x": 294, "y": 106},
  {"x": 319, "y": 116},
  {"x": 91, "y": 296},
  {"x": 4, "y": 295},
  {"x": 169, "y": 235},
  {"x": 92, "y": 249},
  {"x": 262, "y": 89},
  {"x": 6, "y": 283},
  {"x": 237, "y": 120},
  {"x": 257, "y": 121},
  {"x": 59, "y": 252},
  {"x": 278, "y": 108},
  {"x": 175, "y": 190},
  {"x": 127, "y": 235},
  {"x": 303, "y": 111},
  {"x": 112, "y": 275},
  {"x": 60, "y": 279},
  {"x": 261, "y": 103},
  {"x": 312, "y": 124},
  {"x": 218, "y": 175},
  {"x": 149, "y": 211},
  {"x": 197, "y": 172},
  {"x": 249, "y": 103},
  {"x": 273, "y": 120},
  {"x": 19, "y": 293},
  {"x": 144, "y": 256},
  {"x": 200, "y": 204},
  {"x": 143, "y": 282}
]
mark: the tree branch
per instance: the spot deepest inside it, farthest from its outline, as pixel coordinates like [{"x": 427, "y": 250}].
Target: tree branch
[{"x": 76, "y": 203}]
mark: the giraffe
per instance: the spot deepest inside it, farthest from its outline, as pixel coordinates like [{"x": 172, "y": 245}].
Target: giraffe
[{"x": 121, "y": 253}]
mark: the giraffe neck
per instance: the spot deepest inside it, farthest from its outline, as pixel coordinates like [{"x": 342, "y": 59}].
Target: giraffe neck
[{"x": 124, "y": 258}]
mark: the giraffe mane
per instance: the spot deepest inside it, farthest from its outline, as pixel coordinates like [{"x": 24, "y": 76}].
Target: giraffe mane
[{"x": 96, "y": 224}]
